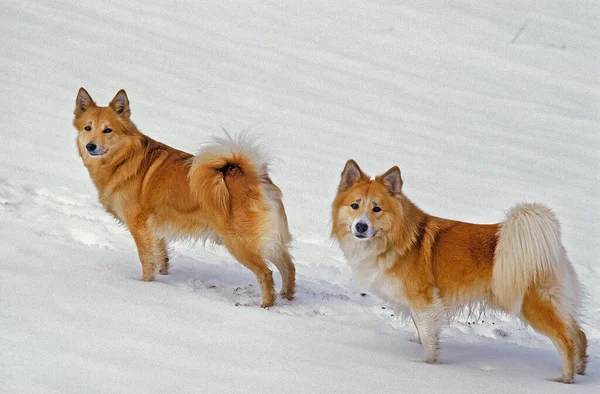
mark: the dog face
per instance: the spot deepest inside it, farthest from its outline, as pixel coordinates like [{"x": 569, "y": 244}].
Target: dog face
[
  {"x": 101, "y": 130},
  {"x": 367, "y": 211}
]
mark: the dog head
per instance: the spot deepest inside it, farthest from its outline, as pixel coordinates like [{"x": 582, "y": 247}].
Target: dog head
[
  {"x": 101, "y": 130},
  {"x": 366, "y": 212}
]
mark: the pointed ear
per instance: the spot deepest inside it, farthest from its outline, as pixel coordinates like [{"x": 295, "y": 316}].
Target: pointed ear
[
  {"x": 83, "y": 102},
  {"x": 351, "y": 175},
  {"x": 392, "y": 180},
  {"x": 120, "y": 103}
]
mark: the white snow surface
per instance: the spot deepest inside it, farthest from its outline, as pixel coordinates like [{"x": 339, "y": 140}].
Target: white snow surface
[{"x": 477, "y": 115}]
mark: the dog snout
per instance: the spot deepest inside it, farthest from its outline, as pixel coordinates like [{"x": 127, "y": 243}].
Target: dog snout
[
  {"x": 91, "y": 147},
  {"x": 361, "y": 227}
]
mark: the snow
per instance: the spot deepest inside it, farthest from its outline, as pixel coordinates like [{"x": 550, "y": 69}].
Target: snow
[{"x": 477, "y": 117}]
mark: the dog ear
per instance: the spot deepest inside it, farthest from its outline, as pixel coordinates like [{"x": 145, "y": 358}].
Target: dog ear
[
  {"x": 120, "y": 103},
  {"x": 83, "y": 102},
  {"x": 351, "y": 175},
  {"x": 392, "y": 180}
]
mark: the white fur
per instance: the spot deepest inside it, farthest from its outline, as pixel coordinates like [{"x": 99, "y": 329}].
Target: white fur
[
  {"x": 529, "y": 250},
  {"x": 277, "y": 231},
  {"x": 370, "y": 273},
  {"x": 203, "y": 235},
  {"x": 429, "y": 324},
  {"x": 241, "y": 144}
]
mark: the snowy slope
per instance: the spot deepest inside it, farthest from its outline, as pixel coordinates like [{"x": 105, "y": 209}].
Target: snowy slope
[{"x": 477, "y": 115}]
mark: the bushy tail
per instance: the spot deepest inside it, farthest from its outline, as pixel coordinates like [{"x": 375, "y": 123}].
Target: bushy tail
[
  {"x": 227, "y": 170},
  {"x": 529, "y": 249}
]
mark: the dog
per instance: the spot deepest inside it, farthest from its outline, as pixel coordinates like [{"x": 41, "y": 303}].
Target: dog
[
  {"x": 428, "y": 266},
  {"x": 223, "y": 194}
]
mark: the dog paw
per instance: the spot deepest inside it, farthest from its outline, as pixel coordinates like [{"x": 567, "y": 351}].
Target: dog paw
[
  {"x": 268, "y": 303},
  {"x": 580, "y": 367},
  {"x": 164, "y": 270},
  {"x": 416, "y": 340},
  {"x": 563, "y": 379},
  {"x": 288, "y": 295},
  {"x": 164, "y": 267}
]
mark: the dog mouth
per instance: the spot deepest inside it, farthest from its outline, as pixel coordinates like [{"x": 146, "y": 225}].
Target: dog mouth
[
  {"x": 363, "y": 237},
  {"x": 97, "y": 153}
]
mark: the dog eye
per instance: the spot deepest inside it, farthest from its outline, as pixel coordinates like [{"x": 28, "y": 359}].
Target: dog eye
[
  {"x": 376, "y": 209},
  {"x": 87, "y": 128},
  {"x": 354, "y": 206},
  {"x": 107, "y": 130}
]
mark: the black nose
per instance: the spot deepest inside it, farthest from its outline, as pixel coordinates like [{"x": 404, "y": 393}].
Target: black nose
[
  {"x": 361, "y": 227},
  {"x": 91, "y": 147}
]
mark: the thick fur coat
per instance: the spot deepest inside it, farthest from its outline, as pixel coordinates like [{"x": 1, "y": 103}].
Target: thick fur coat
[
  {"x": 222, "y": 194},
  {"x": 428, "y": 266}
]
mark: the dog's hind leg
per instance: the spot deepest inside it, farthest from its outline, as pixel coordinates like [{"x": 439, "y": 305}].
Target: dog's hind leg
[
  {"x": 543, "y": 316},
  {"x": 249, "y": 257},
  {"x": 283, "y": 261},
  {"x": 581, "y": 357},
  {"x": 428, "y": 318},
  {"x": 162, "y": 256},
  {"x": 141, "y": 230}
]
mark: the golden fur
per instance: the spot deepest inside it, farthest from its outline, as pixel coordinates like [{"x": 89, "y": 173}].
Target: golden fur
[
  {"x": 428, "y": 265},
  {"x": 223, "y": 194}
]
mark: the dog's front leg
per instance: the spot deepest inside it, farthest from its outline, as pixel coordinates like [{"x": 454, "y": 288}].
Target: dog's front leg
[
  {"x": 428, "y": 318},
  {"x": 142, "y": 232}
]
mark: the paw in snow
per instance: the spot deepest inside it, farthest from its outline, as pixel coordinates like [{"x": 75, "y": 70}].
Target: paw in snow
[
  {"x": 563, "y": 379},
  {"x": 238, "y": 295}
]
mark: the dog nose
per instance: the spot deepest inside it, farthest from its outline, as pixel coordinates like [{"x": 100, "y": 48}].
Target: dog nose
[
  {"x": 361, "y": 227},
  {"x": 91, "y": 147}
]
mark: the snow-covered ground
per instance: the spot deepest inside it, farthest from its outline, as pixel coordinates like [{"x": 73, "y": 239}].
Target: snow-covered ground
[{"x": 481, "y": 104}]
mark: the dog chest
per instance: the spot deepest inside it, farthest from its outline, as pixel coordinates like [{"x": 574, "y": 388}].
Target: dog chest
[
  {"x": 114, "y": 205},
  {"x": 374, "y": 276}
]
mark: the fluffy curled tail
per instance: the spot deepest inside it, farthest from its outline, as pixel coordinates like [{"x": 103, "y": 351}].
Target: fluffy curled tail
[
  {"x": 529, "y": 251},
  {"x": 226, "y": 172}
]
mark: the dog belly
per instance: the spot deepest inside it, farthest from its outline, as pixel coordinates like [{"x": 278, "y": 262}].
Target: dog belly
[
  {"x": 466, "y": 295},
  {"x": 186, "y": 231}
]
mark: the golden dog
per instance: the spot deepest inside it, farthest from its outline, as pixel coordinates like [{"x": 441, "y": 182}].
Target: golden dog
[
  {"x": 223, "y": 194},
  {"x": 428, "y": 265}
]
